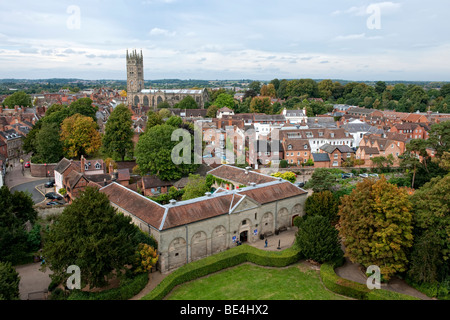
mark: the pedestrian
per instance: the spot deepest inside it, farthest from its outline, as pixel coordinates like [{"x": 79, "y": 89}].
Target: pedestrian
[{"x": 265, "y": 244}]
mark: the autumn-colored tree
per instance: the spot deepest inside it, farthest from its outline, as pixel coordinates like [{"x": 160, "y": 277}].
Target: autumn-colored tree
[
  {"x": 288, "y": 175},
  {"x": 146, "y": 258},
  {"x": 80, "y": 136},
  {"x": 261, "y": 105},
  {"x": 268, "y": 90},
  {"x": 376, "y": 225}
]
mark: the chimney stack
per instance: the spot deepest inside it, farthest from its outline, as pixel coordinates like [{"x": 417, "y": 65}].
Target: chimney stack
[{"x": 82, "y": 164}]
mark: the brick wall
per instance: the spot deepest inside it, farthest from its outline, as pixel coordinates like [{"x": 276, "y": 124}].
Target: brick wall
[{"x": 40, "y": 170}]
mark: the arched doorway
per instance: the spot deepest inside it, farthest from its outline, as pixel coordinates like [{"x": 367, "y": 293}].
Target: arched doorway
[
  {"x": 199, "y": 248},
  {"x": 218, "y": 239},
  {"x": 266, "y": 223},
  {"x": 297, "y": 211},
  {"x": 177, "y": 253},
  {"x": 283, "y": 220},
  {"x": 136, "y": 100},
  {"x": 244, "y": 230},
  {"x": 146, "y": 101}
]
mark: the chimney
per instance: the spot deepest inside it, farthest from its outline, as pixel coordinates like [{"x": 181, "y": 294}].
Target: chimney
[
  {"x": 111, "y": 168},
  {"x": 82, "y": 164},
  {"x": 247, "y": 169}
]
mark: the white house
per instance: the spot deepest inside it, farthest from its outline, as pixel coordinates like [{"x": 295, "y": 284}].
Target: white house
[{"x": 294, "y": 116}]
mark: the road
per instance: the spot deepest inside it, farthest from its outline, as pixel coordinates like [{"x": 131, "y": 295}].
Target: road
[{"x": 30, "y": 187}]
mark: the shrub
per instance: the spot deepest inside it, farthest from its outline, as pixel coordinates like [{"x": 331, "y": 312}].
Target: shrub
[
  {"x": 283, "y": 164},
  {"x": 128, "y": 289}
]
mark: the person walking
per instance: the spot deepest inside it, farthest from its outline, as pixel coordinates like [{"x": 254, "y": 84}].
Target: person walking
[{"x": 265, "y": 244}]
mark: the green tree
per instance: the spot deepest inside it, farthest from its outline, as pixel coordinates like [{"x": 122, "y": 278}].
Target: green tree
[
  {"x": 9, "y": 282},
  {"x": 153, "y": 154},
  {"x": 321, "y": 180},
  {"x": 376, "y": 225},
  {"x": 165, "y": 113},
  {"x": 255, "y": 86},
  {"x": 153, "y": 119},
  {"x": 431, "y": 250},
  {"x": 174, "y": 121},
  {"x": 196, "y": 187},
  {"x": 224, "y": 100},
  {"x": 83, "y": 106},
  {"x": 118, "y": 137},
  {"x": 80, "y": 136},
  {"x": 380, "y": 87},
  {"x": 91, "y": 234},
  {"x": 15, "y": 210},
  {"x": 288, "y": 175},
  {"x": 325, "y": 88},
  {"x": 18, "y": 98},
  {"x": 212, "y": 111},
  {"x": 49, "y": 148},
  {"x": 318, "y": 240},
  {"x": 187, "y": 103},
  {"x": 324, "y": 204}
]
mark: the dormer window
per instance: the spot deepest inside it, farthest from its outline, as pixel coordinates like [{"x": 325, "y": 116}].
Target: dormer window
[
  {"x": 305, "y": 146},
  {"x": 86, "y": 167},
  {"x": 98, "y": 166},
  {"x": 290, "y": 147}
]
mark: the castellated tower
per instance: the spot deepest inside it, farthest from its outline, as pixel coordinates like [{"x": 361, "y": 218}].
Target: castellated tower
[{"x": 135, "y": 72}]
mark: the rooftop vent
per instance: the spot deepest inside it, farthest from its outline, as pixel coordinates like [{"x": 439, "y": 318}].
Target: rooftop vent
[
  {"x": 208, "y": 194},
  {"x": 173, "y": 202},
  {"x": 252, "y": 184}
]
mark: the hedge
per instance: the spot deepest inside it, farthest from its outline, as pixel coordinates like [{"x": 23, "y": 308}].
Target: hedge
[
  {"x": 128, "y": 289},
  {"x": 356, "y": 290},
  {"x": 220, "y": 261}
]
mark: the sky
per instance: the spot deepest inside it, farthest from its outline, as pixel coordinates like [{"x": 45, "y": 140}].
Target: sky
[{"x": 217, "y": 40}]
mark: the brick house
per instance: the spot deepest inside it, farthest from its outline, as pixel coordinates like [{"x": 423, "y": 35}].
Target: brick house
[
  {"x": 337, "y": 154},
  {"x": 296, "y": 151}
]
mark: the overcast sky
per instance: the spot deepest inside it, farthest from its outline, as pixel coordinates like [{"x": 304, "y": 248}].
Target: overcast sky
[{"x": 211, "y": 39}]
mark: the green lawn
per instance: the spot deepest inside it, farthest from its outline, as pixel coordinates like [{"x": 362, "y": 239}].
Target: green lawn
[{"x": 251, "y": 282}]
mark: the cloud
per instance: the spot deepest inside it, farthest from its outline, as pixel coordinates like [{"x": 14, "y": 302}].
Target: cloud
[
  {"x": 350, "y": 37},
  {"x": 161, "y": 32}
]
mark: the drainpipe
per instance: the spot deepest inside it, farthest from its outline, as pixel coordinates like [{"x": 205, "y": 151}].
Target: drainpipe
[{"x": 187, "y": 245}]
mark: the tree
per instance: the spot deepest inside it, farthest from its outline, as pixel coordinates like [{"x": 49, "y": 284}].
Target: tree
[
  {"x": 146, "y": 258},
  {"x": 153, "y": 154},
  {"x": 431, "y": 249},
  {"x": 376, "y": 225},
  {"x": 187, "y": 103},
  {"x": 255, "y": 86},
  {"x": 92, "y": 235},
  {"x": 9, "y": 282},
  {"x": 196, "y": 187},
  {"x": 380, "y": 87},
  {"x": 80, "y": 136},
  {"x": 165, "y": 113},
  {"x": 83, "y": 106},
  {"x": 321, "y": 180},
  {"x": 318, "y": 240},
  {"x": 261, "y": 105},
  {"x": 153, "y": 119},
  {"x": 15, "y": 210},
  {"x": 439, "y": 138},
  {"x": 288, "y": 175},
  {"x": 175, "y": 121},
  {"x": 212, "y": 111},
  {"x": 324, "y": 204},
  {"x": 118, "y": 137},
  {"x": 224, "y": 100},
  {"x": 325, "y": 88},
  {"x": 49, "y": 148},
  {"x": 18, "y": 98},
  {"x": 268, "y": 90}
]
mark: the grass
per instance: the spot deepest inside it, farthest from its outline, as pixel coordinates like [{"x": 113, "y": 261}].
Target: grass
[{"x": 251, "y": 282}]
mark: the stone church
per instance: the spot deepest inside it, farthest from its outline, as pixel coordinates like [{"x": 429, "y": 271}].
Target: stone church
[
  {"x": 194, "y": 229},
  {"x": 137, "y": 95}
]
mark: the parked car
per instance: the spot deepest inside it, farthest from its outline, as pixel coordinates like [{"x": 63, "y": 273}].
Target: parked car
[
  {"x": 50, "y": 184},
  {"x": 53, "y": 195},
  {"x": 364, "y": 175},
  {"x": 53, "y": 203},
  {"x": 27, "y": 164},
  {"x": 373, "y": 175},
  {"x": 300, "y": 184},
  {"x": 347, "y": 175}
]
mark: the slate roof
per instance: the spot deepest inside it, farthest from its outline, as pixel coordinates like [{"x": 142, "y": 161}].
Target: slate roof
[
  {"x": 321, "y": 157},
  {"x": 62, "y": 165}
]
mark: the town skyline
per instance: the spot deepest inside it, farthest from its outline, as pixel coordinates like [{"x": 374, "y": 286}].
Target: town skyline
[{"x": 354, "y": 40}]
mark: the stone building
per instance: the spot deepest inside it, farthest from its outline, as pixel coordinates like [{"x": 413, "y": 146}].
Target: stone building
[
  {"x": 137, "y": 95},
  {"x": 196, "y": 228}
]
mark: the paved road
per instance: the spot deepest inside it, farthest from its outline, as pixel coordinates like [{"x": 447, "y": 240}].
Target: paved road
[{"x": 30, "y": 187}]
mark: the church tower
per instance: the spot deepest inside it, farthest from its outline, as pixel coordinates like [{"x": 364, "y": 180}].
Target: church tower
[{"x": 135, "y": 72}]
